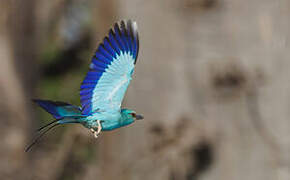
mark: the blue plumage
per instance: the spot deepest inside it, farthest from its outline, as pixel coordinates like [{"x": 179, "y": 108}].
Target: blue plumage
[
  {"x": 104, "y": 86},
  {"x": 58, "y": 109},
  {"x": 121, "y": 46}
]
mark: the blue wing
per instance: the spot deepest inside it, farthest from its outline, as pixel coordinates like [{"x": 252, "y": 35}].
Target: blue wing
[{"x": 111, "y": 69}]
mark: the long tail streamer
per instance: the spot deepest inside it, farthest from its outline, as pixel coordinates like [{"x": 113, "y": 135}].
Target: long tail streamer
[{"x": 37, "y": 138}]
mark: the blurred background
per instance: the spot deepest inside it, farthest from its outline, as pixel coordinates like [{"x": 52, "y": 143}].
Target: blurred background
[{"x": 212, "y": 80}]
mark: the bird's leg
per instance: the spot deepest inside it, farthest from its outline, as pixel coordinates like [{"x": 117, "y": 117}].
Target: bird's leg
[
  {"x": 96, "y": 133},
  {"x": 92, "y": 130},
  {"x": 99, "y": 127}
]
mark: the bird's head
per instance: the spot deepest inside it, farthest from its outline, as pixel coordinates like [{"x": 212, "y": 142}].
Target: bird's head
[{"x": 130, "y": 116}]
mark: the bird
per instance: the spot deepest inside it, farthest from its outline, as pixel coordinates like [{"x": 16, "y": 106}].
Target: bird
[{"x": 103, "y": 88}]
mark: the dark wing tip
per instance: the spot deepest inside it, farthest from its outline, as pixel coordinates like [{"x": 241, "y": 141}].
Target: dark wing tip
[
  {"x": 128, "y": 28},
  {"x": 127, "y": 25},
  {"x": 135, "y": 36},
  {"x": 117, "y": 28},
  {"x": 123, "y": 24}
]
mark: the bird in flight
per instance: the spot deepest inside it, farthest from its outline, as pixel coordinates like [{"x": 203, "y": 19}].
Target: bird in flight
[{"x": 103, "y": 87}]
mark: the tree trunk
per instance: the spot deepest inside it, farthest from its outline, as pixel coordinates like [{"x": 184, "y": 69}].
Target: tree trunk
[{"x": 16, "y": 46}]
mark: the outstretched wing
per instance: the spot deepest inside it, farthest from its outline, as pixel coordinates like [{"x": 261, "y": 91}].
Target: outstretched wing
[{"x": 111, "y": 69}]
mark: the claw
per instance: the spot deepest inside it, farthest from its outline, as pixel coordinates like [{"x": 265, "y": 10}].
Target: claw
[
  {"x": 92, "y": 130},
  {"x": 99, "y": 127},
  {"x": 96, "y": 133}
]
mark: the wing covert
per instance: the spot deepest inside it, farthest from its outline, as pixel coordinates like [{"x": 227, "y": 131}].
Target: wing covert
[{"x": 111, "y": 69}]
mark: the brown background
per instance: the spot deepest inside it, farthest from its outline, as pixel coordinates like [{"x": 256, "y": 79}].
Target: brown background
[{"x": 212, "y": 81}]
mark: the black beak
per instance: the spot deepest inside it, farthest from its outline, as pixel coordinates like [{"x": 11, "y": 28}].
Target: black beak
[{"x": 139, "y": 117}]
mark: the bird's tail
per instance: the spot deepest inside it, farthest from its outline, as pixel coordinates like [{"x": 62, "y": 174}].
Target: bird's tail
[
  {"x": 58, "y": 109},
  {"x": 63, "y": 113}
]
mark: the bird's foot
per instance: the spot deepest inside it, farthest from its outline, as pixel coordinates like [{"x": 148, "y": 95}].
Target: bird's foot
[
  {"x": 99, "y": 129},
  {"x": 96, "y": 133}
]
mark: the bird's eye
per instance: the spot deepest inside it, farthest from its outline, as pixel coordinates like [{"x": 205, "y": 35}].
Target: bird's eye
[{"x": 133, "y": 114}]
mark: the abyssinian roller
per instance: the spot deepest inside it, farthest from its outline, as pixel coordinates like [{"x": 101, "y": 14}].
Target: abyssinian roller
[{"x": 103, "y": 88}]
